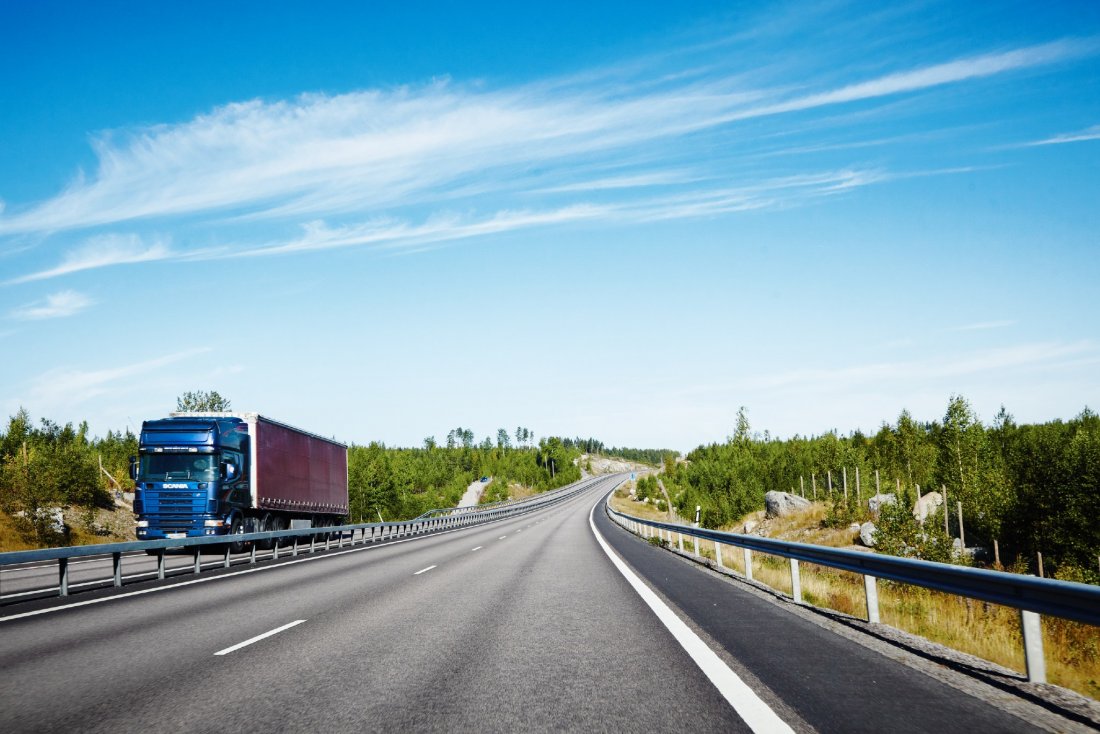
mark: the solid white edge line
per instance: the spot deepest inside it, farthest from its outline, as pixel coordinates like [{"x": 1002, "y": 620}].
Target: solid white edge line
[
  {"x": 423, "y": 570},
  {"x": 757, "y": 714},
  {"x": 257, "y": 638}
]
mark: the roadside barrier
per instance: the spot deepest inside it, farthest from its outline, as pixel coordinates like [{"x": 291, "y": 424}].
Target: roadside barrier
[{"x": 1032, "y": 596}]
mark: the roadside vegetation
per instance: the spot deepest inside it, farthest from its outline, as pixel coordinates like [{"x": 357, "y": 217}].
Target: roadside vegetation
[{"x": 1034, "y": 489}]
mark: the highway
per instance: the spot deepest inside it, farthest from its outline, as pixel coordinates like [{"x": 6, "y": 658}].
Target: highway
[{"x": 521, "y": 624}]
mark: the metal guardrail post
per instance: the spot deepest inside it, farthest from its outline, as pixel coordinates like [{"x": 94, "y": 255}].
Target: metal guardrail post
[
  {"x": 313, "y": 543},
  {"x": 275, "y": 550},
  {"x": 62, "y": 576},
  {"x": 748, "y": 563},
  {"x": 160, "y": 564},
  {"x": 718, "y": 554},
  {"x": 796, "y": 582},
  {"x": 198, "y": 560},
  {"x": 695, "y": 539},
  {"x": 294, "y": 550},
  {"x": 228, "y": 551},
  {"x": 328, "y": 540},
  {"x": 1031, "y": 626},
  {"x": 681, "y": 537},
  {"x": 252, "y": 554},
  {"x": 116, "y": 563},
  {"x": 870, "y": 587}
]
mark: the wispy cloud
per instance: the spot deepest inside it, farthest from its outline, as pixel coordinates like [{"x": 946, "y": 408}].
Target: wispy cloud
[
  {"x": 1089, "y": 133},
  {"x": 102, "y": 251},
  {"x": 391, "y": 167},
  {"x": 983, "y": 325},
  {"x": 65, "y": 387},
  {"x": 56, "y": 305}
]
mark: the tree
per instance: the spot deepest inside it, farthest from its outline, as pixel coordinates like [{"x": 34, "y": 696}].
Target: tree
[
  {"x": 741, "y": 433},
  {"x": 201, "y": 401},
  {"x": 503, "y": 441}
]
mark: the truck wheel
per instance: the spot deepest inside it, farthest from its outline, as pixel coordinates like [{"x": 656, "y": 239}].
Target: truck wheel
[
  {"x": 281, "y": 523},
  {"x": 267, "y": 524},
  {"x": 236, "y": 528}
]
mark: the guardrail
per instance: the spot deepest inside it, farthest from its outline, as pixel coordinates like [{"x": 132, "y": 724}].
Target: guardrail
[
  {"x": 355, "y": 534},
  {"x": 1032, "y": 596}
]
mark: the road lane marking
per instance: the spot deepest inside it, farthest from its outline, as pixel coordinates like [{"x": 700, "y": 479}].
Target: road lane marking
[
  {"x": 502, "y": 537},
  {"x": 257, "y": 638},
  {"x": 752, "y": 710},
  {"x": 429, "y": 568},
  {"x": 476, "y": 549}
]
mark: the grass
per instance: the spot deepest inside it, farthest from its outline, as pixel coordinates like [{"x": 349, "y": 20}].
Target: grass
[
  {"x": 988, "y": 631},
  {"x": 118, "y": 527}
]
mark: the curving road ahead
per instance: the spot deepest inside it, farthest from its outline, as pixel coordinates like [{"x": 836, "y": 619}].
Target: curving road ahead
[{"x": 523, "y": 624}]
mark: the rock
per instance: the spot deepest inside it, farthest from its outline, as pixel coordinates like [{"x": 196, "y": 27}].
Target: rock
[
  {"x": 926, "y": 506},
  {"x": 779, "y": 504},
  {"x": 875, "y": 503},
  {"x": 750, "y": 525},
  {"x": 867, "y": 534},
  {"x": 854, "y": 527}
]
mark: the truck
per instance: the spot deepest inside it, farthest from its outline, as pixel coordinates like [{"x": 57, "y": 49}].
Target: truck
[{"x": 220, "y": 473}]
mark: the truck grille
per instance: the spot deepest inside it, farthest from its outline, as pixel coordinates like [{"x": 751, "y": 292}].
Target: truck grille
[{"x": 174, "y": 510}]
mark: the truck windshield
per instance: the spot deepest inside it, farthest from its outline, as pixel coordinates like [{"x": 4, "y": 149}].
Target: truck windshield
[{"x": 162, "y": 467}]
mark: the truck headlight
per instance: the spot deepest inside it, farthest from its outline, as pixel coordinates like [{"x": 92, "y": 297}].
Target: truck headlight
[
  {"x": 142, "y": 523},
  {"x": 214, "y": 523}
]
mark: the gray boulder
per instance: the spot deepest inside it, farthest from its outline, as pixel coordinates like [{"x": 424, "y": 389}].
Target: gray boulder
[
  {"x": 867, "y": 534},
  {"x": 875, "y": 503},
  {"x": 779, "y": 504},
  {"x": 926, "y": 506}
]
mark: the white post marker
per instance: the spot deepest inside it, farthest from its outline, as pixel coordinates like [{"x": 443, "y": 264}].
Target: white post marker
[{"x": 751, "y": 708}]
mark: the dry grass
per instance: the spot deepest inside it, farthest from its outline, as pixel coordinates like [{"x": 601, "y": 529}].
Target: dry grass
[
  {"x": 118, "y": 526},
  {"x": 987, "y": 631}
]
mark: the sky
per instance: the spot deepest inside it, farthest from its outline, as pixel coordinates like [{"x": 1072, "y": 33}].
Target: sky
[{"x": 381, "y": 221}]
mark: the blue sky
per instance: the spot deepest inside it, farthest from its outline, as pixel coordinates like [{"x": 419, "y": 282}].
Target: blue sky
[{"x": 619, "y": 220}]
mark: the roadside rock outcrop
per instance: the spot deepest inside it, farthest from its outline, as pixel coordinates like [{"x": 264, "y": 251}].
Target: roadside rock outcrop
[
  {"x": 867, "y": 534},
  {"x": 779, "y": 504},
  {"x": 926, "y": 506},
  {"x": 875, "y": 503}
]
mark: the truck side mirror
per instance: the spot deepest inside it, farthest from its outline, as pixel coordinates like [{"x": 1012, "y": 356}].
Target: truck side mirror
[
  {"x": 133, "y": 468},
  {"x": 228, "y": 470}
]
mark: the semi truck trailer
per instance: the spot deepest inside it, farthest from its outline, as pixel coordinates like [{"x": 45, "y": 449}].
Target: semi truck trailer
[{"x": 201, "y": 474}]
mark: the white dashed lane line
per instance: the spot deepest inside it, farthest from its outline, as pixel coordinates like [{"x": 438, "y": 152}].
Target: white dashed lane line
[
  {"x": 423, "y": 570},
  {"x": 475, "y": 549},
  {"x": 257, "y": 638}
]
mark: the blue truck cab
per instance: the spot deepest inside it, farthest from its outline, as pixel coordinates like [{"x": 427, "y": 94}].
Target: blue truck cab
[{"x": 191, "y": 477}]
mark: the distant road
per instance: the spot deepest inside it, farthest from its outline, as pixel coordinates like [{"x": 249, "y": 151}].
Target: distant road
[
  {"x": 523, "y": 624},
  {"x": 472, "y": 495}
]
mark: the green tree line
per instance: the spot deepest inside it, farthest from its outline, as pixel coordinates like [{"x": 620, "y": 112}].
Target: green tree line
[
  {"x": 50, "y": 465},
  {"x": 1034, "y": 488}
]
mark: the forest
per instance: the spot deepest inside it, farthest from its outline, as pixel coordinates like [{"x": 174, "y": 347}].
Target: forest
[{"x": 1033, "y": 488}]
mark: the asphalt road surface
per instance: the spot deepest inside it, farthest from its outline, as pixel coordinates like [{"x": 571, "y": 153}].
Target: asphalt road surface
[{"x": 522, "y": 624}]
